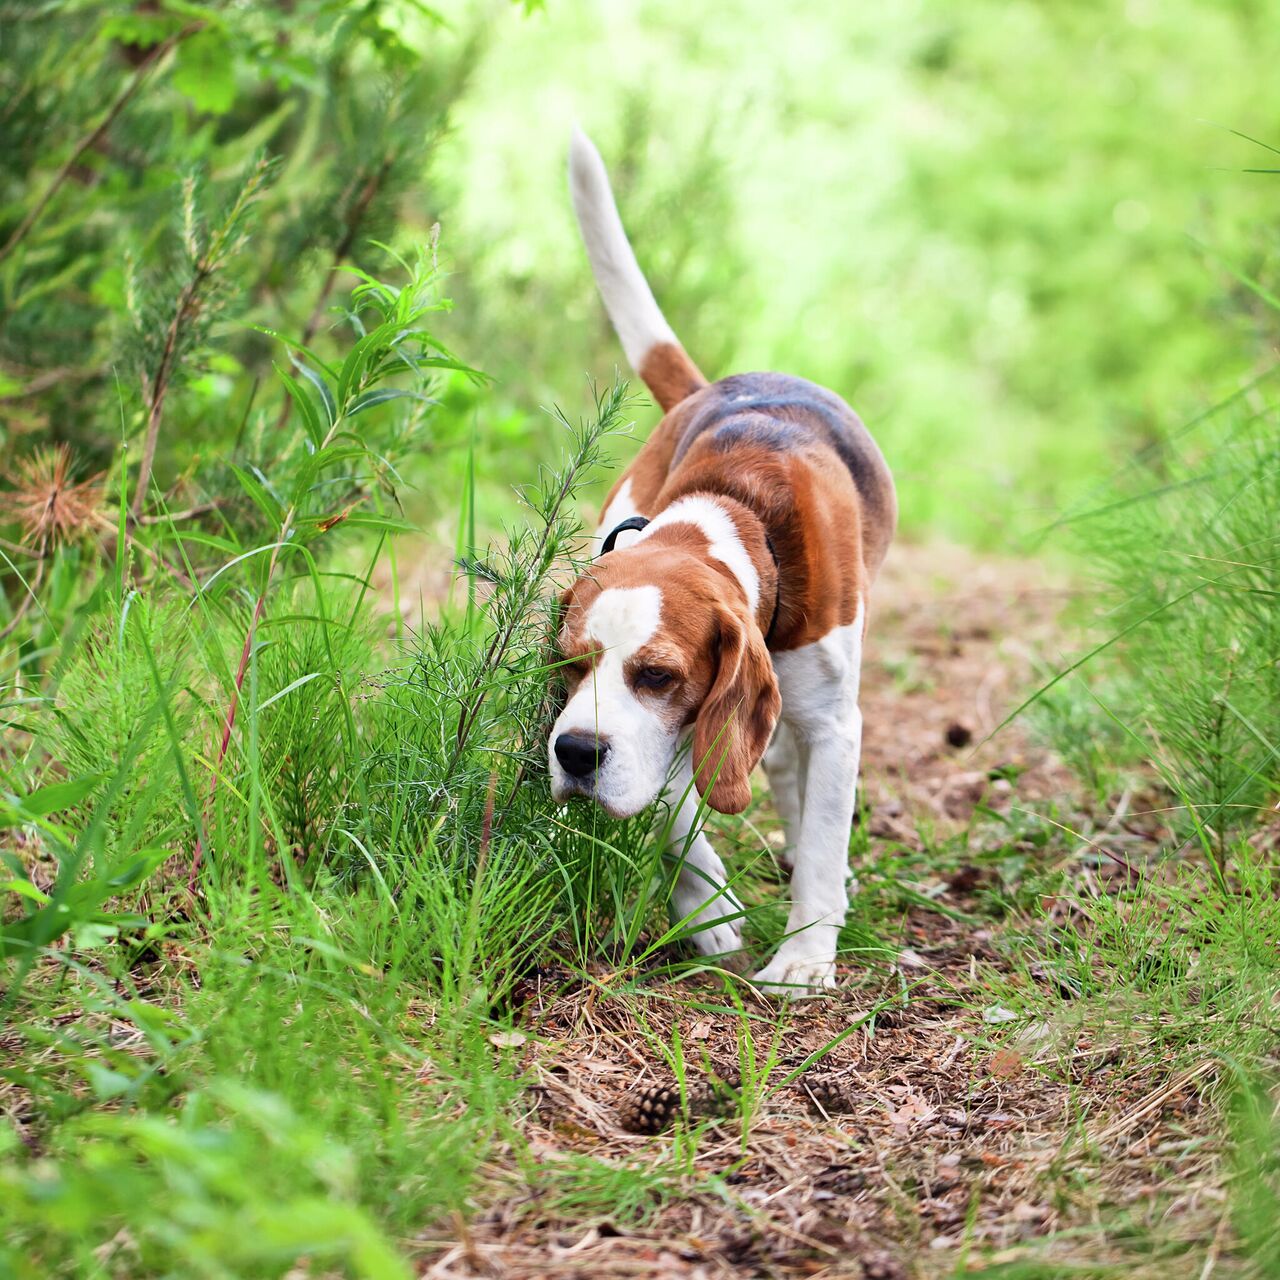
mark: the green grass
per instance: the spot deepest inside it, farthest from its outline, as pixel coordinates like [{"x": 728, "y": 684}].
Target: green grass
[
  {"x": 278, "y": 860},
  {"x": 310, "y": 1060},
  {"x": 372, "y": 866}
]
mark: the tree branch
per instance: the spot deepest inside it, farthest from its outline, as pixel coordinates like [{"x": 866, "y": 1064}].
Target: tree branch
[
  {"x": 136, "y": 82},
  {"x": 355, "y": 217},
  {"x": 159, "y": 385}
]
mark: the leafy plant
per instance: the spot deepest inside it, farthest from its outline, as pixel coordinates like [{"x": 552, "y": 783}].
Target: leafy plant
[{"x": 1188, "y": 555}]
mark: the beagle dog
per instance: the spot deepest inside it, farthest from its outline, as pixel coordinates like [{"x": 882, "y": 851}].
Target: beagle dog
[{"x": 725, "y": 612}]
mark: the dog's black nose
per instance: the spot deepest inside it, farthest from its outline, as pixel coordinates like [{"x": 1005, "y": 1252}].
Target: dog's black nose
[{"x": 579, "y": 754}]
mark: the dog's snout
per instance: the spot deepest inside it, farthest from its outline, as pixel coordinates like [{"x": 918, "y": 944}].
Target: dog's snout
[{"x": 580, "y": 754}]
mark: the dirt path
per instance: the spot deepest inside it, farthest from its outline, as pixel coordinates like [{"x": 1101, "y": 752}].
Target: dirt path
[
  {"x": 953, "y": 638},
  {"x": 970, "y": 1132}
]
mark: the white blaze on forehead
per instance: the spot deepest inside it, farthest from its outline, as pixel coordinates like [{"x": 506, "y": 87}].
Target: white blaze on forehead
[
  {"x": 722, "y": 534},
  {"x": 621, "y": 619}
]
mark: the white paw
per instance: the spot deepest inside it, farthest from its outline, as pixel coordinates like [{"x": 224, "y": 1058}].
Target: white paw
[
  {"x": 794, "y": 977},
  {"x": 720, "y": 939}
]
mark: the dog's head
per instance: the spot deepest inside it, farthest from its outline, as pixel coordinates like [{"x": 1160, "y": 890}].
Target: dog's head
[{"x": 658, "y": 645}]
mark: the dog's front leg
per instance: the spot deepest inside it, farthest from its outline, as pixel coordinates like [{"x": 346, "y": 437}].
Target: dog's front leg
[
  {"x": 701, "y": 895},
  {"x": 819, "y": 686},
  {"x": 782, "y": 767}
]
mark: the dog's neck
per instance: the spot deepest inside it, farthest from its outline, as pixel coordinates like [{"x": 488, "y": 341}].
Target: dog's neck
[
  {"x": 764, "y": 557},
  {"x": 738, "y": 548}
]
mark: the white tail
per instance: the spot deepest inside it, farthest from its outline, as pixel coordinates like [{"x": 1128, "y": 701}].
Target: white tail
[{"x": 627, "y": 297}]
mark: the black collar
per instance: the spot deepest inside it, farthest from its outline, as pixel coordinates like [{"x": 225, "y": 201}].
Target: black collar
[
  {"x": 632, "y": 522},
  {"x": 639, "y": 522}
]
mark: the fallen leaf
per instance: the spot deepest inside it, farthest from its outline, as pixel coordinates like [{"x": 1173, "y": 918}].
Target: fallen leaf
[
  {"x": 1005, "y": 1064},
  {"x": 912, "y": 1111},
  {"x": 337, "y": 518}
]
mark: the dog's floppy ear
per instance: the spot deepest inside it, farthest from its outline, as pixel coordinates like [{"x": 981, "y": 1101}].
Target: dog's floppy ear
[
  {"x": 557, "y": 613},
  {"x": 551, "y": 649},
  {"x": 736, "y": 719}
]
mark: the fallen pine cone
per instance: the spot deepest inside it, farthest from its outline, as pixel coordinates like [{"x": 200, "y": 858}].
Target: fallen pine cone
[
  {"x": 651, "y": 1110},
  {"x": 827, "y": 1093}
]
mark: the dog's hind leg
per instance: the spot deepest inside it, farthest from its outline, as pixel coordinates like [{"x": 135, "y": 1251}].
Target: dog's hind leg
[
  {"x": 819, "y": 686},
  {"x": 701, "y": 895}
]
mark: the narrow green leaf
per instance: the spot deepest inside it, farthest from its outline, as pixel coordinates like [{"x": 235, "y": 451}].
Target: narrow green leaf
[
  {"x": 199, "y": 537},
  {"x": 290, "y": 687},
  {"x": 309, "y": 418},
  {"x": 372, "y": 520},
  {"x": 25, "y": 889},
  {"x": 259, "y": 495},
  {"x": 322, "y": 387},
  {"x": 382, "y": 394},
  {"x": 358, "y": 361},
  {"x": 60, "y": 795},
  {"x": 295, "y": 346}
]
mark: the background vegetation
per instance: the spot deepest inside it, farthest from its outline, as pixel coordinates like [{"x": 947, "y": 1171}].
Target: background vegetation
[
  {"x": 1005, "y": 231},
  {"x": 277, "y": 851}
]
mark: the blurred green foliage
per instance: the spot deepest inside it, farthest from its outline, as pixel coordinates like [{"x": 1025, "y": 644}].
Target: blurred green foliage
[
  {"x": 1005, "y": 232},
  {"x": 175, "y": 175},
  {"x": 977, "y": 222}
]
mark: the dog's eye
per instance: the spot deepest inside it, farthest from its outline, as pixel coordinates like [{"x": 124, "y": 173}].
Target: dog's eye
[
  {"x": 653, "y": 678},
  {"x": 575, "y": 670}
]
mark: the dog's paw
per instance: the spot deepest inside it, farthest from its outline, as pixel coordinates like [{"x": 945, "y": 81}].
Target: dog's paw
[
  {"x": 794, "y": 977},
  {"x": 722, "y": 939}
]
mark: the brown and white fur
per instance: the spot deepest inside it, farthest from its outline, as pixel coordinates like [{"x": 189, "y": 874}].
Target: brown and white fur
[{"x": 665, "y": 636}]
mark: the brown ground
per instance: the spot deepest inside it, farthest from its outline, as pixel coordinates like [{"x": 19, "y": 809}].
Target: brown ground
[
  {"x": 966, "y": 1138},
  {"x": 952, "y": 640}
]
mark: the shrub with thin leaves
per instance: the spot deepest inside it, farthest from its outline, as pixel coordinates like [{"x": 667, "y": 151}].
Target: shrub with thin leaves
[{"x": 1188, "y": 551}]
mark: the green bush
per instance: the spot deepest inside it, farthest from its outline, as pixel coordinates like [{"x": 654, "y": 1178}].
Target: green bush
[{"x": 1188, "y": 557}]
